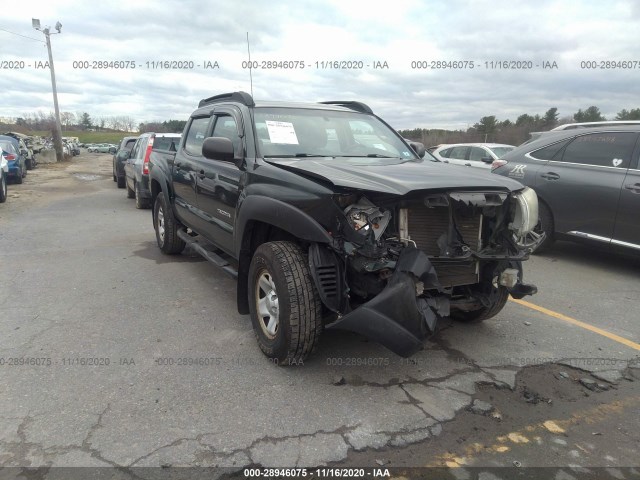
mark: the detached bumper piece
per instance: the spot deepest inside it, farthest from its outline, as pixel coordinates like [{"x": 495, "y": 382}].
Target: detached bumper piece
[{"x": 396, "y": 318}]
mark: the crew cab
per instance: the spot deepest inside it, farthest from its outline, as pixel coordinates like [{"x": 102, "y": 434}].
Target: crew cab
[{"x": 329, "y": 219}]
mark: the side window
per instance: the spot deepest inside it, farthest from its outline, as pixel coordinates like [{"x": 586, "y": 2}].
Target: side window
[
  {"x": 459, "y": 153},
  {"x": 477, "y": 154},
  {"x": 550, "y": 152},
  {"x": 226, "y": 127},
  {"x": 605, "y": 149},
  {"x": 446, "y": 152},
  {"x": 136, "y": 149},
  {"x": 196, "y": 135}
]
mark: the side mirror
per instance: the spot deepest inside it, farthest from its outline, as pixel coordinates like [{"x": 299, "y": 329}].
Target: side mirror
[
  {"x": 487, "y": 160},
  {"x": 218, "y": 148},
  {"x": 418, "y": 148}
]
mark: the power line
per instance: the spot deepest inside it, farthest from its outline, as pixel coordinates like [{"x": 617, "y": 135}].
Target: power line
[{"x": 13, "y": 33}]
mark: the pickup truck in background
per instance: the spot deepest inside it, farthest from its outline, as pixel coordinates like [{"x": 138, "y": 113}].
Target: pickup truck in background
[
  {"x": 136, "y": 166},
  {"x": 329, "y": 219}
]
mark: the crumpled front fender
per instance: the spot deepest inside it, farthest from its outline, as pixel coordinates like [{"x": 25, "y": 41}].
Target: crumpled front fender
[{"x": 396, "y": 318}]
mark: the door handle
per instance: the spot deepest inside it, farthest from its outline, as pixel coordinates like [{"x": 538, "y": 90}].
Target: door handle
[
  {"x": 550, "y": 176},
  {"x": 634, "y": 187},
  {"x": 201, "y": 175},
  {"x": 467, "y": 164},
  {"x": 445, "y": 161}
]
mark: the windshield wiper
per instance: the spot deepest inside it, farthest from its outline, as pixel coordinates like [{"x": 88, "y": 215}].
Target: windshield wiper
[
  {"x": 297, "y": 155},
  {"x": 370, "y": 155}
]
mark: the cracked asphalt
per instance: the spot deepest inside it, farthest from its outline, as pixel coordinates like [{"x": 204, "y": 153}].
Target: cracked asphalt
[{"x": 114, "y": 355}]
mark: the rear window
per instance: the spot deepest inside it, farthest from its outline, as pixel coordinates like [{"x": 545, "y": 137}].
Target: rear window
[{"x": 166, "y": 143}]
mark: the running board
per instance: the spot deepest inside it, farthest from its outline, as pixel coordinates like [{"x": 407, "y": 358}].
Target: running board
[{"x": 208, "y": 251}]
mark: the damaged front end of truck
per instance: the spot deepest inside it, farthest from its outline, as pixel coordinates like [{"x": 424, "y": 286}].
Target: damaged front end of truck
[{"x": 397, "y": 264}]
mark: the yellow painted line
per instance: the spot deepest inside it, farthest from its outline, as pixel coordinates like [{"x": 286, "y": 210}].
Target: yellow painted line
[
  {"x": 503, "y": 443},
  {"x": 573, "y": 321}
]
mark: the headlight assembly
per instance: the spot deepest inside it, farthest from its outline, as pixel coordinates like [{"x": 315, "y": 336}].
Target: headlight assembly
[{"x": 525, "y": 216}]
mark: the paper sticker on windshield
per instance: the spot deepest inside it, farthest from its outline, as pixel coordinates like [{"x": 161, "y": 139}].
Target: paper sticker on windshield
[
  {"x": 282, "y": 132},
  {"x": 379, "y": 145}
]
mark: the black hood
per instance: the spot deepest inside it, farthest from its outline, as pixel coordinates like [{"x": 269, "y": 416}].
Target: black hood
[{"x": 395, "y": 176}]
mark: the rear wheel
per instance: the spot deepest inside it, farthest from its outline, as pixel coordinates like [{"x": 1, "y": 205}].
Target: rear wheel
[
  {"x": 20, "y": 175},
  {"x": 166, "y": 227},
  {"x": 286, "y": 311},
  {"x": 140, "y": 201},
  {"x": 474, "y": 316},
  {"x": 121, "y": 182},
  {"x": 130, "y": 193},
  {"x": 3, "y": 187}
]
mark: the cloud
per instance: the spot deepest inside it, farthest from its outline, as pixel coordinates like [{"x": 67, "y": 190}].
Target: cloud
[{"x": 319, "y": 33}]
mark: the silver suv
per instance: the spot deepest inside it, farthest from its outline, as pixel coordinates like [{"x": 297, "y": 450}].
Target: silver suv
[{"x": 587, "y": 179}]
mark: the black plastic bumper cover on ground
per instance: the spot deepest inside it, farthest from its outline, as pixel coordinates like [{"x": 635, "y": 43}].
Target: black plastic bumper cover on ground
[{"x": 396, "y": 318}]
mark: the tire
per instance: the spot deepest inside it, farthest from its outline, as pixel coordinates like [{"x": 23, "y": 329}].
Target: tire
[
  {"x": 280, "y": 271},
  {"x": 20, "y": 177},
  {"x": 166, "y": 227},
  {"x": 130, "y": 193},
  {"x": 140, "y": 202},
  {"x": 121, "y": 182},
  {"x": 484, "y": 313},
  {"x": 29, "y": 164},
  {"x": 3, "y": 187},
  {"x": 545, "y": 225}
]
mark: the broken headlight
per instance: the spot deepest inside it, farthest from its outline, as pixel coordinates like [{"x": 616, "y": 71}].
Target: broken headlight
[
  {"x": 525, "y": 216},
  {"x": 365, "y": 217}
]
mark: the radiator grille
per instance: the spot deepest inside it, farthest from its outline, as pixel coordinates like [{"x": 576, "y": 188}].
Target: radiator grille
[{"x": 426, "y": 225}]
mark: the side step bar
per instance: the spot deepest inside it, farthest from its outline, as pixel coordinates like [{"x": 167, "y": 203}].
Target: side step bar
[{"x": 208, "y": 251}]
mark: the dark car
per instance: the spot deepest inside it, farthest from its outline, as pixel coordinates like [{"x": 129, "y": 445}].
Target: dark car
[
  {"x": 136, "y": 166},
  {"x": 22, "y": 146},
  {"x": 587, "y": 180},
  {"x": 329, "y": 219},
  {"x": 119, "y": 159},
  {"x": 17, "y": 160}
]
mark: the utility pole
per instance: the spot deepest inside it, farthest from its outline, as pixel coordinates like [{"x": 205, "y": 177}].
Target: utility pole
[{"x": 57, "y": 133}]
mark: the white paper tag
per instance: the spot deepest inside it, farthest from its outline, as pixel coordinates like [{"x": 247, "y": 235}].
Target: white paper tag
[{"x": 282, "y": 132}]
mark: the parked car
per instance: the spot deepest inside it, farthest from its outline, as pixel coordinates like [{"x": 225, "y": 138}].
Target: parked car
[
  {"x": 337, "y": 222},
  {"x": 4, "y": 174},
  {"x": 17, "y": 160},
  {"x": 136, "y": 167},
  {"x": 480, "y": 155},
  {"x": 119, "y": 159},
  {"x": 75, "y": 149},
  {"x": 30, "y": 158},
  {"x": 587, "y": 180},
  {"x": 102, "y": 148}
]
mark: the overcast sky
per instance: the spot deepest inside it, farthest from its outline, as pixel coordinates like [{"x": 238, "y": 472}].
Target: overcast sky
[{"x": 397, "y": 32}]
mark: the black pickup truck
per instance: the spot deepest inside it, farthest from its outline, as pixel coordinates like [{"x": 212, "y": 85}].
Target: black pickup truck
[{"x": 329, "y": 219}]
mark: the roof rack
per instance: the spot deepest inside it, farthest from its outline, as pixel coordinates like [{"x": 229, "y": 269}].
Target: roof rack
[
  {"x": 613, "y": 123},
  {"x": 242, "y": 97},
  {"x": 357, "y": 106}
]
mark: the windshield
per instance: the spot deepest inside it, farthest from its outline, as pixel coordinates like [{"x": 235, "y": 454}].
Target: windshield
[
  {"x": 299, "y": 132},
  {"x": 500, "y": 151}
]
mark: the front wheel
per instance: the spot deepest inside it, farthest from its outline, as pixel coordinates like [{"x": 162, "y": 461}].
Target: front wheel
[
  {"x": 130, "y": 193},
  {"x": 286, "y": 311},
  {"x": 166, "y": 227},
  {"x": 474, "y": 316}
]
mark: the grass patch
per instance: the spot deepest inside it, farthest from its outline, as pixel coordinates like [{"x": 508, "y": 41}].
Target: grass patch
[{"x": 90, "y": 137}]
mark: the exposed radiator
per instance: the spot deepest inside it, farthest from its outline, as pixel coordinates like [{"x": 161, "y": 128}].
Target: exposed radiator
[{"x": 426, "y": 225}]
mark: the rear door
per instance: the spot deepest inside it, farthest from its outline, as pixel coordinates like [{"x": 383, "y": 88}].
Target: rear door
[
  {"x": 218, "y": 182},
  {"x": 582, "y": 183},
  {"x": 627, "y": 229},
  {"x": 185, "y": 169}
]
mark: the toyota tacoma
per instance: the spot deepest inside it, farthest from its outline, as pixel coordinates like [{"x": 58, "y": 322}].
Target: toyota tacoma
[{"x": 330, "y": 220}]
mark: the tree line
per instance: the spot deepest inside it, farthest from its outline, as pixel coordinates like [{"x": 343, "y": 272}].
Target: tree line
[
  {"x": 490, "y": 129},
  {"x": 70, "y": 121}
]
